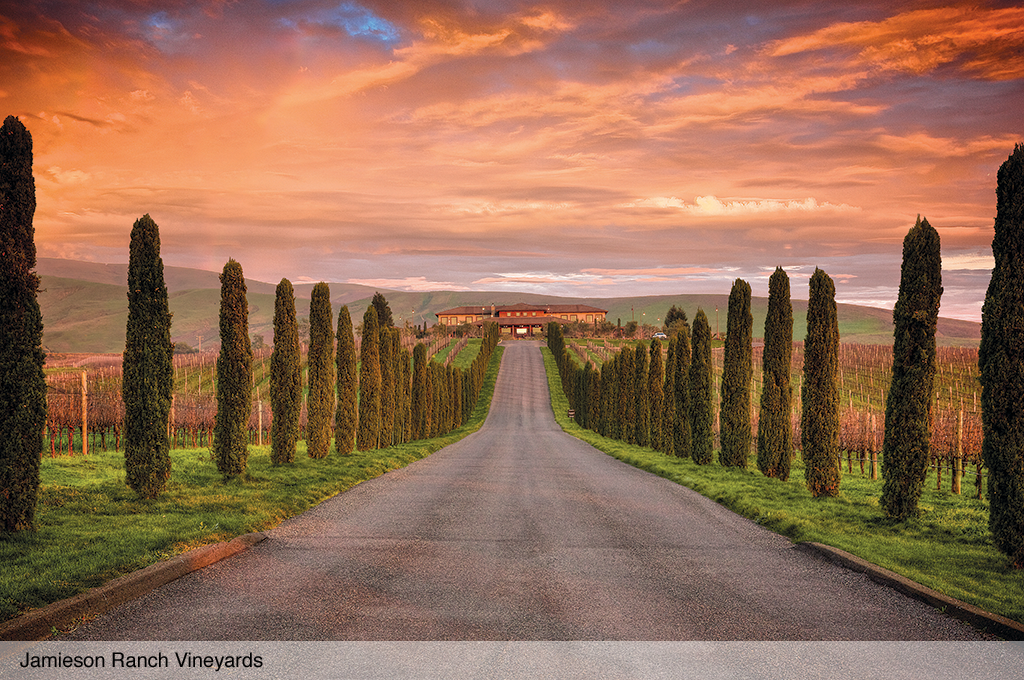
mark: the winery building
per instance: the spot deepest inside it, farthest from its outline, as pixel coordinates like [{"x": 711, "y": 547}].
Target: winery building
[{"x": 521, "y": 319}]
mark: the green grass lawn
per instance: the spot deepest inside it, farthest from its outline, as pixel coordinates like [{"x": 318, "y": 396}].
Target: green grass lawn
[
  {"x": 92, "y": 528},
  {"x": 948, "y": 548}
]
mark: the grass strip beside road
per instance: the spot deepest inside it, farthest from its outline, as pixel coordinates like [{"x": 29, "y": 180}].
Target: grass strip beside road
[
  {"x": 91, "y": 528},
  {"x": 948, "y": 548}
]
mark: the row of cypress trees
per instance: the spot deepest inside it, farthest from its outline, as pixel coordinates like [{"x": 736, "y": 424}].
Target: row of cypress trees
[
  {"x": 381, "y": 398},
  {"x": 635, "y": 398}
]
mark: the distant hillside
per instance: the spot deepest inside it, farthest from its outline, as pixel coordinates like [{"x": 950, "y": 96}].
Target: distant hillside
[{"x": 85, "y": 308}]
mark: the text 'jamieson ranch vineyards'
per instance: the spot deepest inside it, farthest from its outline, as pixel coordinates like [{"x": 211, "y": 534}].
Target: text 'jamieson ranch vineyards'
[{"x": 159, "y": 660}]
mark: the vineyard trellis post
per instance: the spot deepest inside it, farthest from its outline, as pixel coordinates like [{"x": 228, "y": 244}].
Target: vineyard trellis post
[{"x": 85, "y": 413}]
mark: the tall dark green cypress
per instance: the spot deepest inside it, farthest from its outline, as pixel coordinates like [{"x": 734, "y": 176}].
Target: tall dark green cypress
[
  {"x": 346, "y": 417},
  {"x": 737, "y": 373},
  {"x": 1001, "y": 360},
  {"x": 594, "y": 398},
  {"x": 819, "y": 420},
  {"x": 285, "y": 377},
  {"x": 908, "y": 406},
  {"x": 702, "y": 414},
  {"x": 643, "y": 404},
  {"x": 656, "y": 395},
  {"x": 22, "y": 383},
  {"x": 388, "y": 385},
  {"x": 627, "y": 394},
  {"x": 775, "y": 419},
  {"x": 321, "y": 400},
  {"x": 682, "y": 425},
  {"x": 234, "y": 375},
  {"x": 610, "y": 398},
  {"x": 668, "y": 405},
  {"x": 147, "y": 365},
  {"x": 368, "y": 436},
  {"x": 420, "y": 398}
]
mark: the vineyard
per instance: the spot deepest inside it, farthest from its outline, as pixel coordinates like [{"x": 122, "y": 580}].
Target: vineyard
[
  {"x": 865, "y": 372},
  {"x": 86, "y": 389}
]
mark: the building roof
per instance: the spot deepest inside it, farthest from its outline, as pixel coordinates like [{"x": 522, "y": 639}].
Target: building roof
[{"x": 522, "y": 307}]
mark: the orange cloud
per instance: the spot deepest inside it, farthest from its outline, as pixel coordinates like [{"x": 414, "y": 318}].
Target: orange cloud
[{"x": 987, "y": 41}]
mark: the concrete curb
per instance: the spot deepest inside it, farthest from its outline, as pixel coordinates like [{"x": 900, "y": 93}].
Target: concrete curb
[
  {"x": 979, "y": 618},
  {"x": 39, "y": 623}
]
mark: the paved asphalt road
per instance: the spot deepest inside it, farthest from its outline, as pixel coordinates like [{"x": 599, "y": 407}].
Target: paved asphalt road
[{"x": 521, "y": 532}]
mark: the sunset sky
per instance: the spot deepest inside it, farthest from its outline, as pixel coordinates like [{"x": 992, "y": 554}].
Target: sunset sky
[{"x": 581, "y": 148}]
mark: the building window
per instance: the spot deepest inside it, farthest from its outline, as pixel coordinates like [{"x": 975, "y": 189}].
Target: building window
[
  {"x": 572, "y": 317},
  {"x": 590, "y": 318}
]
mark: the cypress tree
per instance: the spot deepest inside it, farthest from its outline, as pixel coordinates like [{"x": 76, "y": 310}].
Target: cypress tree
[
  {"x": 594, "y": 398},
  {"x": 643, "y": 402},
  {"x": 147, "y": 365},
  {"x": 234, "y": 375},
  {"x": 737, "y": 372},
  {"x": 627, "y": 395},
  {"x": 668, "y": 406},
  {"x": 819, "y": 421},
  {"x": 22, "y": 383},
  {"x": 369, "y": 383},
  {"x": 431, "y": 401},
  {"x": 1001, "y": 360},
  {"x": 407, "y": 396},
  {"x": 346, "y": 417},
  {"x": 610, "y": 398},
  {"x": 656, "y": 395},
  {"x": 908, "y": 406},
  {"x": 682, "y": 435},
  {"x": 774, "y": 428},
  {"x": 321, "y": 400},
  {"x": 285, "y": 377},
  {"x": 701, "y": 412},
  {"x": 388, "y": 385},
  {"x": 420, "y": 412}
]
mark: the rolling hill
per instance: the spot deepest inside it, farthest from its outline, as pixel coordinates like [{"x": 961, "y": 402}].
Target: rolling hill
[{"x": 85, "y": 308}]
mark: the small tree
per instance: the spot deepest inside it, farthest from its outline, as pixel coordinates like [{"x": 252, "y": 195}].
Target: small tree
[
  {"x": 1001, "y": 360},
  {"x": 737, "y": 374},
  {"x": 384, "y": 318},
  {"x": 675, "y": 316},
  {"x": 908, "y": 406},
  {"x": 819, "y": 421},
  {"x": 702, "y": 414},
  {"x": 22, "y": 383},
  {"x": 774, "y": 424},
  {"x": 346, "y": 418},
  {"x": 321, "y": 401},
  {"x": 234, "y": 375},
  {"x": 147, "y": 365},
  {"x": 369, "y": 383},
  {"x": 285, "y": 377}
]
